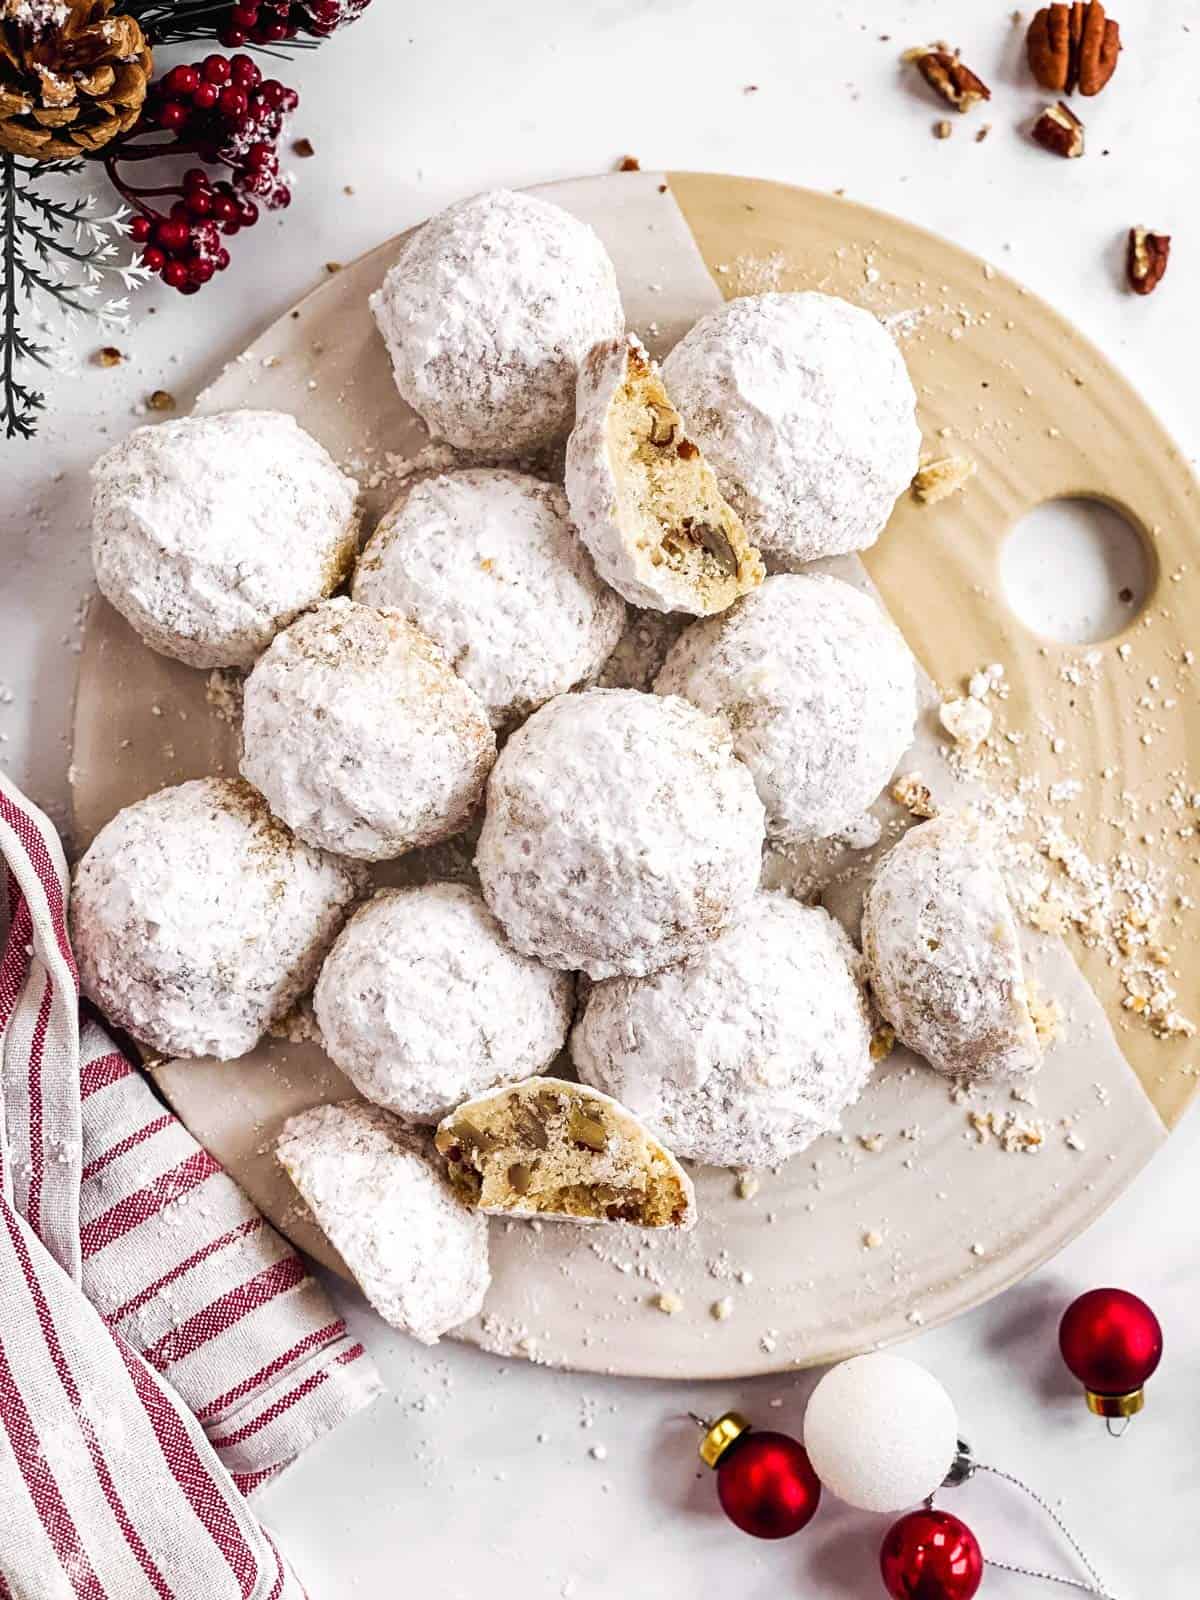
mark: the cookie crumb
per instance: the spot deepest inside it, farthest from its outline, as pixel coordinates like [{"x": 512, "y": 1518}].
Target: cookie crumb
[
  {"x": 938, "y": 480},
  {"x": 722, "y": 1309}
]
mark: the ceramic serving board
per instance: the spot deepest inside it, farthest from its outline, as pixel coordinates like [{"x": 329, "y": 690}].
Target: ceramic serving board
[{"x": 916, "y": 1212}]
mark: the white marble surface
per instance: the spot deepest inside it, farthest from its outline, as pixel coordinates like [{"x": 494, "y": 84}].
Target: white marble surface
[{"x": 478, "y": 1474}]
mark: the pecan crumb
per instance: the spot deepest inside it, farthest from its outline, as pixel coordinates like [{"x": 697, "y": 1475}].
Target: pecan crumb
[
  {"x": 1147, "y": 259},
  {"x": 942, "y": 130},
  {"x": 947, "y": 76},
  {"x": 303, "y": 147},
  {"x": 937, "y": 480},
  {"x": 1059, "y": 130},
  {"x": 983, "y": 132},
  {"x": 333, "y": 266},
  {"x": 912, "y": 792},
  {"x": 161, "y": 400},
  {"x": 109, "y": 356},
  {"x": 629, "y": 164}
]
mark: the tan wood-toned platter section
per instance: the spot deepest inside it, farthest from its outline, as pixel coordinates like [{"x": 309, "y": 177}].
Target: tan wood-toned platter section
[{"x": 931, "y": 1200}]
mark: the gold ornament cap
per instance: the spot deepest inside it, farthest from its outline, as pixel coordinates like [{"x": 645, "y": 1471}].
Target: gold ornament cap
[
  {"x": 719, "y": 1435},
  {"x": 1116, "y": 1405}
]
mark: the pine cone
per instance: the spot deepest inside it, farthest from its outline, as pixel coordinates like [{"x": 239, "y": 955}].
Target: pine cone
[{"x": 72, "y": 76}]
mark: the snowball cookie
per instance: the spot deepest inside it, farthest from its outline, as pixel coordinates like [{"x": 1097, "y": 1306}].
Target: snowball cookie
[
  {"x": 804, "y": 407},
  {"x": 744, "y": 1053},
  {"x": 565, "y": 1153},
  {"x": 423, "y": 1002},
  {"x": 621, "y": 833},
  {"x": 881, "y": 1432},
  {"x": 487, "y": 564},
  {"x": 361, "y": 736},
  {"x": 209, "y": 534},
  {"x": 487, "y": 313},
  {"x": 819, "y": 689},
  {"x": 644, "y": 499},
  {"x": 943, "y": 956},
  {"x": 198, "y": 920},
  {"x": 379, "y": 1195}
]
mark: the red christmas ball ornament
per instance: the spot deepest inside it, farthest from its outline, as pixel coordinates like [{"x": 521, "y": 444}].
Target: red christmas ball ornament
[
  {"x": 1112, "y": 1342},
  {"x": 765, "y": 1481},
  {"x": 930, "y": 1555}
]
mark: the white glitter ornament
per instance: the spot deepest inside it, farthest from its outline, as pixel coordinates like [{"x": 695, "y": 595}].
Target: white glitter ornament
[
  {"x": 361, "y": 736},
  {"x": 805, "y": 410},
  {"x": 621, "y": 833},
  {"x": 209, "y": 534},
  {"x": 487, "y": 313},
  {"x": 486, "y": 562},
  {"x": 819, "y": 689},
  {"x": 422, "y": 1002},
  {"x": 881, "y": 1432}
]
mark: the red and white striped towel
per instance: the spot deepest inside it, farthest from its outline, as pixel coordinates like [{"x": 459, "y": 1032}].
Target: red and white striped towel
[{"x": 163, "y": 1352}]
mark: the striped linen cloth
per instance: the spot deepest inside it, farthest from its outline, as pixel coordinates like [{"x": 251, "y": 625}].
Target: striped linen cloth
[{"x": 163, "y": 1352}]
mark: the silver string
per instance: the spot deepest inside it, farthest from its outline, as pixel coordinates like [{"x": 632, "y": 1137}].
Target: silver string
[{"x": 1095, "y": 1587}]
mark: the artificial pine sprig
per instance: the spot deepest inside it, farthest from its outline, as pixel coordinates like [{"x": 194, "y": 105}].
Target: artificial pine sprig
[{"x": 60, "y": 249}]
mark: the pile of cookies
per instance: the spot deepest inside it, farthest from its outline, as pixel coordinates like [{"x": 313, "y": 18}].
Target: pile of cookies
[{"x": 439, "y": 680}]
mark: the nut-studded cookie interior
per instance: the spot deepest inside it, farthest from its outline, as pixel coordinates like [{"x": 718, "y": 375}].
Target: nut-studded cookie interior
[
  {"x": 669, "y": 499},
  {"x": 550, "y": 1148}
]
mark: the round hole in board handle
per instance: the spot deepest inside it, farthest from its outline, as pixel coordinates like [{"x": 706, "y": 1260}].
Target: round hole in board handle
[{"x": 1076, "y": 570}]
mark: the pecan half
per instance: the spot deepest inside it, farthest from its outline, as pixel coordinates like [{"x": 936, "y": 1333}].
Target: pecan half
[
  {"x": 1059, "y": 130},
  {"x": 1147, "y": 259},
  {"x": 947, "y": 76},
  {"x": 1073, "y": 47}
]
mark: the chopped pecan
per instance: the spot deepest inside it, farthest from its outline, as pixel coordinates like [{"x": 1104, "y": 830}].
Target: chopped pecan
[
  {"x": 1059, "y": 130},
  {"x": 1147, "y": 259},
  {"x": 947, "y": 76},
  {"x": 1073, "y": 47}
]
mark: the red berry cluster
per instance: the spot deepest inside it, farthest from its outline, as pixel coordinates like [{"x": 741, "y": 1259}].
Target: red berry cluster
[
  {"x": 274, "y": 21},
  {"x": 224, "y": 112}
]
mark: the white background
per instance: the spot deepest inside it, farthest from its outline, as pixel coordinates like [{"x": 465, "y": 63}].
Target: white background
[{"x": 477, "y": 1475}]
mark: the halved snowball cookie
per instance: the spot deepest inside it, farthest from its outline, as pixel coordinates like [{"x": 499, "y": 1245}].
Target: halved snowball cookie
[
  {"x": 563, "y": 1152},
  {"x": 487, "y": 313},
  {"x": 819, "y": 689},
  {"x": 804, "y": 407},
  {"x": 423, "y": 1002},
  {"x": 644, "y": 499},
  {"x": 378, "y": 1193},
  {"x": 621, "y": 833},
  {"x": 209, "y": 534},
  {"x": 361, "y": 736},
  {"x": 486, "y": 562},
  {"x": 198, "y": 920},
  {"x": 942, "y": 953},
  {"x": 744, "y": 1053}
]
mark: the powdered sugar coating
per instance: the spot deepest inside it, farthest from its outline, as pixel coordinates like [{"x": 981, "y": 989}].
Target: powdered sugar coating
[
  {"x": 744, "y": 1053},
  {"x": 487, "y": 313},
  {"x": 198, "y": 920},
  {"x": 804, "y": 407},
  {"x": 621, "y": 833},
  {"x": 380, "y": 1196},
  {"x": 486, "y": 562},
  {"x": 819, "y": 689},
  {"x": 423, "y": 1002},
  {"x": 361, "y": 736},
  {"x": 209, "y": 534},
  {"x": 942, "y": 952}
]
